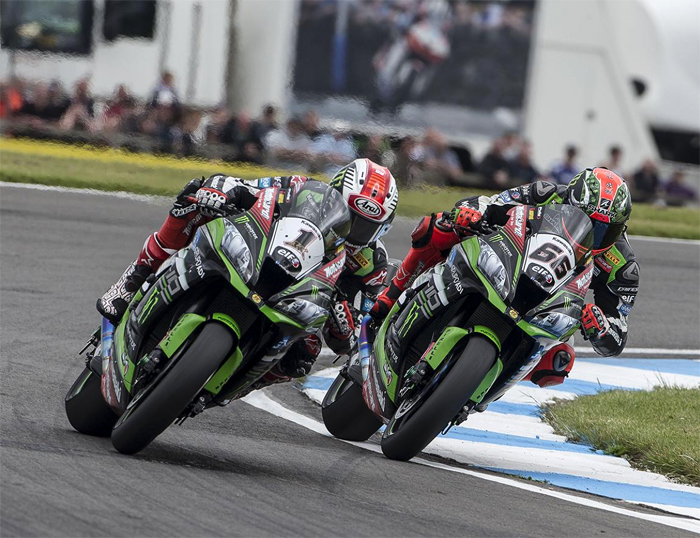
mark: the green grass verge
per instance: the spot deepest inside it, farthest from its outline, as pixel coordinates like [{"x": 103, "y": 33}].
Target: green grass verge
[
  {"x": 657, "y": 430},
  {"x": 70, "y": 166}
]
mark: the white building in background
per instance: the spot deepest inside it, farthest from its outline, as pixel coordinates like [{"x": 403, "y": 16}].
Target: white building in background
[{"x": 584, "y": 56}]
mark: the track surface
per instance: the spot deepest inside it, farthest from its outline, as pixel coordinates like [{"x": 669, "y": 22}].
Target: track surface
[{"x": 237, "y": 470}]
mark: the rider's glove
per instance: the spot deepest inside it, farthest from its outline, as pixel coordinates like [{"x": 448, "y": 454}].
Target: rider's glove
[
  {"x": 211, "y": 202},
  {"x": 594, "y": 324},
  {"x": 339, "y": 331},
  {"x": 300, "y": 357},
  {"x": 465, "y": 218},
  {"x": 381, "y": 307}
]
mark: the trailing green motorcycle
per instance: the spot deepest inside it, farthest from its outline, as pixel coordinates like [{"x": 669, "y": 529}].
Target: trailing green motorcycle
[
  {"x": 466, "y": 331},
  {"x": 216, "y": 317}
]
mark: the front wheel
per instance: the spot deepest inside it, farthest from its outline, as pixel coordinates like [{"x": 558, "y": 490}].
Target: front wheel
[
  {"x": 146, "y": 419},
  {"x": 418, "y": 421},
  {"x": 345, "y": 413},
  {"x": 86, "y": 408}
]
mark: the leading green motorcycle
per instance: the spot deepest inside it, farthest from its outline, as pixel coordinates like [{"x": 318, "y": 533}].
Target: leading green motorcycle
[{"x": 466, "y": 331}]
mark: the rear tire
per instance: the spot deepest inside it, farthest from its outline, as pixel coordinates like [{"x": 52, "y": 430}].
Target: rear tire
[
  {"x": 140, "y": 425},
  {"x": 345, "y": 413},
  {"x": 435, "y": 413},
  {"x": 86, "y": 408}
]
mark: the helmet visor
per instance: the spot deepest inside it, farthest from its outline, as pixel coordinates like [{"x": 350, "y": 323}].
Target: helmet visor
[
  {"x": 364, "y": 231},
  {"x": 606, "y": 233}
]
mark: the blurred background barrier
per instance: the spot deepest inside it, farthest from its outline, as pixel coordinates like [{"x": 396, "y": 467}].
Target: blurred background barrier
[{"x": 472, "y": 94}]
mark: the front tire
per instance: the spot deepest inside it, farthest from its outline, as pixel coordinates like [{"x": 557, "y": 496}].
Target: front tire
[
  {"x": 345, "y": 413},
  {"x": 86, "y": 408},
  {"x": 141, "y": 424},
  {"x": 407, "y": 436}
]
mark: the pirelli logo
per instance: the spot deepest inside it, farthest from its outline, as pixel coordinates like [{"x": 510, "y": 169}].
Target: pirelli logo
[{"x": 612, "y": 258}]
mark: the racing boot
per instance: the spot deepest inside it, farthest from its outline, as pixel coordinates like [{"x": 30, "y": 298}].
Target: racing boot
[{"x": 113, "y": 304}]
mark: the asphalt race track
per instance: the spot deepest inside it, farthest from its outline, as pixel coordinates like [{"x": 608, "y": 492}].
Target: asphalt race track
[{"x": 238, "y": 470}]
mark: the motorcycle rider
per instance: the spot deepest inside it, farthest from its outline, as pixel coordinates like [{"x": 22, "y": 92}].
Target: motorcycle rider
[
  {"x": 371, "y": 193},
  {"x": 604, "y": 197}
]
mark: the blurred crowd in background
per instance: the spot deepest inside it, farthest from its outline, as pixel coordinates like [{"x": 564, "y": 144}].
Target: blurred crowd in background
[{"x": 304, "y": 143}]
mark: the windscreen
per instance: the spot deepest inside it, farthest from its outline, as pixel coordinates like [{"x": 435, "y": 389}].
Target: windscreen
[
  {"x": 567, "y": 222},
  {"x": 324, "y": 206}
]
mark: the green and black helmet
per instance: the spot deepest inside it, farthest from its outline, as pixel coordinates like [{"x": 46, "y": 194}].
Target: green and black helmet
[{"x": 605, "y": 198}]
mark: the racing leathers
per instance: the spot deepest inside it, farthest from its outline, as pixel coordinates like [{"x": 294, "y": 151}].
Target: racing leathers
[
  {"x": 204, "y": 199},
  {"x": 616, "y": 271}
]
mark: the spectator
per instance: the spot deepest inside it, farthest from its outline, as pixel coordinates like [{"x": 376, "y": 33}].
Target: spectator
[
  {"x": 291, "y": 147},
  {"x": 377, "y": 150},
  {"x": 165, "y": 85},
  {"x": 408, "y": 159},
  {"x": 161, "y": 120},
  {"x": 676, "y": 192},
  {"x": 47, "y": 105},
  {"x": 614, "y": 161},
  {"x": 645, "y": 182},
  {"x": 511, "y": 145},
  {"x": 494, "y": 168},
  {"x": 334, "y": 149},
  {"x": 119, "y": 109},
  {"x": 192, "y": 132},
  {"x": 310, "y": 123},
  {"x": 268, "y": 122},
  {"x": 564, "y": 171},
  {"x": 241, "y": 135},
  {"x": 81, "y": 110},
  {"x": 440, "y": 163},
  {"x": 216, "y": 124},
  {"x": 521, "y": 168},
  {"x": 11, "y": 99}
]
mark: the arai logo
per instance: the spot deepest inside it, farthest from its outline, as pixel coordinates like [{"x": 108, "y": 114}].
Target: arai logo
[{"x": 368, "y": 207}]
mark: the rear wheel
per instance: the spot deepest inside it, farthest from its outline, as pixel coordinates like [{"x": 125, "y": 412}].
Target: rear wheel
[
  {"x": 145, "y": 419},
  {"x": 419, "y": 420},
  {"x": 86, "y": 409},
  {"x": 345, "y": 413}
]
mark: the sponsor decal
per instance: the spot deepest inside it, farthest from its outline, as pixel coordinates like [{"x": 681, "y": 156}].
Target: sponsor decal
[
  {"x": 505, "y": 197},
  {"x": 334, "y": 268},
  {"x": 456, "y": 279},
  {"x": 116, "y": 385},
  {"x": 513, "y": 313},
  {"x": 584, "y": 280},
  {"x": 367, "y": 206},
  {"x": 625, "y": 309},
  {"x": 505, "y": 249},
  {"x": 293, "y": 260},
  {"x": 377, "y": 279},
  {"x": 250, "y": 231},
  {"x": 393, "y": 357},
  {"x": 551, "y": 220},
  {"x": 631, "y": 272},
  {"x": 531, "y": 214},
  {"x": 608, "y": 187},
  {"x": 266, "y": 204},
  {"x": 381, "y": 399},
  {"x": 264, "y": 182},
  {"x": 360, "y": 258},
  {"x": 198, "y": 262},
  {"x": 367, "y": 304},
  {"x": 514, "y": 194},
  {"x": 605, "y": 266},
  {"x": 256, "y": 298},
  {"x": 631, "y": 289},
  {"x": 544, "y": 273},
  {"x": 628, "y": 298},
  {"x": 519, "y": 220},
  {"x": 611, "y": 257},
  {"x": 387, "y": 373},
  {"x": 178, "y": 212},
  {"x": 539, "y": 212}
]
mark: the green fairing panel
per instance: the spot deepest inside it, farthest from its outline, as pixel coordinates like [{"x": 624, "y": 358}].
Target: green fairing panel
[
  {"x": 487, "y": 382},
  {"x": 368, "y": 254},
  {"x": 615, "y": 258},
  {"x": 224, "y": 373},
  {"x": 442, "y": 347},
  {"x": 180, "y": 332}
]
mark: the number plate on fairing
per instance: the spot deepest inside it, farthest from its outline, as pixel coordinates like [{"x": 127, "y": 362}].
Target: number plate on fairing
[{"x": 548, "y": 261}]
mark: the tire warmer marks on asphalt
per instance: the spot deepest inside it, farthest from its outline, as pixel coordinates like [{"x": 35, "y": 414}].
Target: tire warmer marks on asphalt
[{"x": 510, "y": 438}]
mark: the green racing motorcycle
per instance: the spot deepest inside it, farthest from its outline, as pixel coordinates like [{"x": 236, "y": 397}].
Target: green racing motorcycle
[
  {"x": 215, "y": 318},
  {"x": 466, "y": 331}
]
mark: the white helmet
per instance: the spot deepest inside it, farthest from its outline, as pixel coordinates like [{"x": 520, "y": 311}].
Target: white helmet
[{"x": 372, "y": 196}]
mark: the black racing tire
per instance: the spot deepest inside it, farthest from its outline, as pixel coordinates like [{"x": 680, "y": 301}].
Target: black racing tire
[
  {"x": 345, "y": 413},
  {"x": 417, "y": 430},
  {"x": 146, "y": 420},
  {"x": 86, "y": 408}
]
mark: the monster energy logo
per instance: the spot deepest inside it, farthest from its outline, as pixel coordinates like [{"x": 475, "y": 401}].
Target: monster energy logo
[
  {"x": 410, "y": 318},
  {"x": 148, "y": 307},
  {"x": 314, "y": 289},
  {"x": 495, "y": 238},
  {"x": 567, "y": 302}
]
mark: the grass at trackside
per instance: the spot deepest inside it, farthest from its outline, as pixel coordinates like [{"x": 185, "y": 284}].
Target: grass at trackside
[
  {"x": 657, "y": 430},
  {"x": 105, "y": 169}
]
